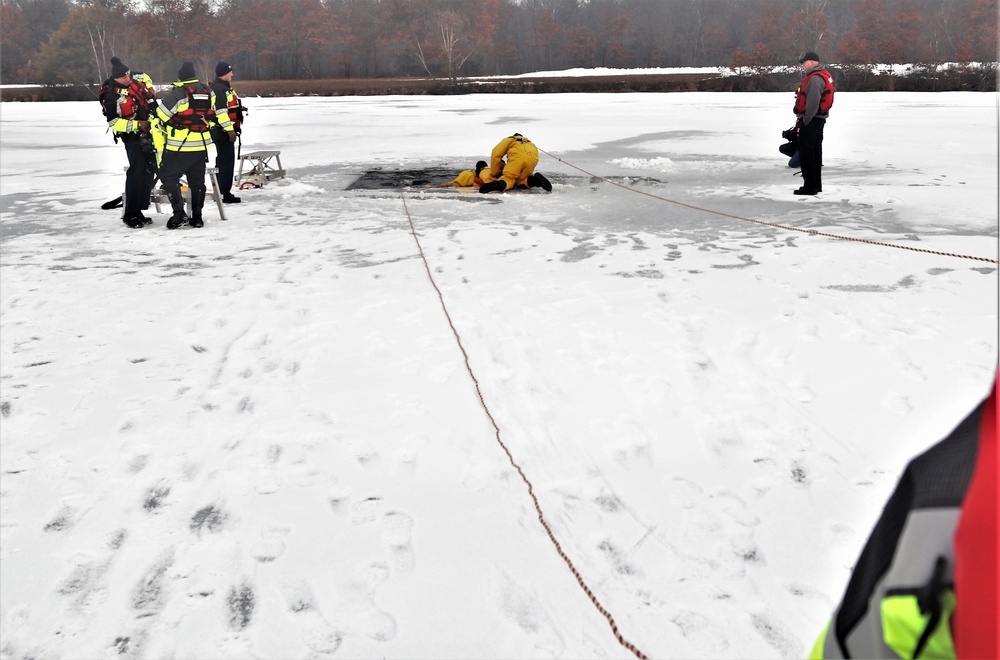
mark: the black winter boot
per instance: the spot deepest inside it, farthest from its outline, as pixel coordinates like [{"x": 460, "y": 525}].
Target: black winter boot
[
  {"x": 135, "y": 221},
  {"x": 177, "y": 220},
  {"x": 493, "y": 186},
  {"x": 197, "y": 203},
  {"x": 536, "y": 180}
]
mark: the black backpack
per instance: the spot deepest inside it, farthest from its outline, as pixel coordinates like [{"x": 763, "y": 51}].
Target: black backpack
[{"x": 109, "y": 99}]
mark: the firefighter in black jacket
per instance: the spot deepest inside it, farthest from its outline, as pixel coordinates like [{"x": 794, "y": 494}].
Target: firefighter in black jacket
[
  {"x": 127, "y": 106},
  {"x": 229, "y": 115},
  {"x": 187, "y": 112}
]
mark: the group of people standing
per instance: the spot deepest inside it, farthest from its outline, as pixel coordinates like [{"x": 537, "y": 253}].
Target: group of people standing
[{"x": 169, "y": 137}]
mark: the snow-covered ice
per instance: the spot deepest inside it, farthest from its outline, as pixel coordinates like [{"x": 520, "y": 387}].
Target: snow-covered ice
[{"x": 260, "y": 439}]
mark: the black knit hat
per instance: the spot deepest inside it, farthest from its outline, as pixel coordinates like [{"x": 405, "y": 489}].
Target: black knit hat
[
  {"x": 186, "y": 72},
  {"x": 118, "y": 68},
  {"x": 222, "y": 68},
  {"x": 809, "y": 55},
  {"x": 481, "y": 165}
]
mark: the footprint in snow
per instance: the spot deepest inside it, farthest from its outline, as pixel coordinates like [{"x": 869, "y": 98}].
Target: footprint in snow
[
  {"x": 406, "y": 456},
  {"x": 338, "y": 499},
  {"x": 701, "y": 630},
  {"x": 241, "y": 601},
  {"x": 366, "y": 510},
  {"x": 86, "y": 583},
  {"x": 362, "y": 450},
  {"x": 149, "y": 593},
  {"x": 271, "y": 544},
  {"x": 375, "y": 624},
  {"x": 684, "y": 492},
  {"x": 897, "y": 403},
  {"x": 801, "y": 391},
  {"x": 734, "y": 508},
  {"x": 397, "y": 534},
  {"x": 778, "y": 636}
]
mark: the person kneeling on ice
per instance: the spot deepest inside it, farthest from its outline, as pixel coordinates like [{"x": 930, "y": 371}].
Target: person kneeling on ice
[
  {"x": 522, "y": 157},
  {"x": 791, "y": 147}
]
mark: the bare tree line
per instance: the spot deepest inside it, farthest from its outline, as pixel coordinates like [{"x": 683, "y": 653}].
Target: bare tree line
[{"x": 66, "y": 41}]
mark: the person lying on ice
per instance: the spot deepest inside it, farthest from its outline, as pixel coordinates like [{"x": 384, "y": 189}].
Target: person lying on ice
[
  {"x": 469, "y": 178},
  {"x": 522, "y": 157}
]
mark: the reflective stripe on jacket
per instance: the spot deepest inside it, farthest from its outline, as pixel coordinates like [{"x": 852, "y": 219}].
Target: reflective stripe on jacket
[
  {"x": 228, "y": 110},
  {"x": 901, "y": 598},
  {"x": 186, "y": 113},
  {"x": 131, "y": 107}
]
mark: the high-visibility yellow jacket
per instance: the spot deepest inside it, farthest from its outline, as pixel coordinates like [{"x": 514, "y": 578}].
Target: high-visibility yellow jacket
[
  {"x": 127, "y": 108},
  {"x": 228, "y": 109},
  {"x": 188, "y": 113},
  {"x": 930, "y": 565}
]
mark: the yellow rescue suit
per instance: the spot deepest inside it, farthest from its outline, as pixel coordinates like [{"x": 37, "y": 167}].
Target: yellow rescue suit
[
  {"x": 522, "y": 157},
  {"x": 468, "y": 178}
]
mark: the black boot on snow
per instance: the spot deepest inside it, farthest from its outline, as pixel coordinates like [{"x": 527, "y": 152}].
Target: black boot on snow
[
  {"x": 134, "y": 221},
  {"x": 230, "y": 198},
  {"x": 493, "y": 186},
  {"x": 536, "y": 180},
  {"x": 197, "y": 203},
  {"x": 177, "y": 220}
]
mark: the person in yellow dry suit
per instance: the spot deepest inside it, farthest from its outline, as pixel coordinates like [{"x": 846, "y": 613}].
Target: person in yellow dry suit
[
  {"x": 469, "y": 178},
  {"x": 522, "y": 157}
]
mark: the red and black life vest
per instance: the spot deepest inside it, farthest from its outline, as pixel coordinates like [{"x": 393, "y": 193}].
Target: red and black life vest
[
  {"x": 199, "y": 115},
  {"x": 136, "y": 106},
  {"x": 825, "y": 99},
  {"x": 234, "y": 106}
]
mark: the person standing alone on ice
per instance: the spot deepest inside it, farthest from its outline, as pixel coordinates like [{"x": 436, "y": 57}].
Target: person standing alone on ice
[
  {"x": 813, "y": 100},
  {"x": 522, "y": 157},
  {"x": 187, "y": 112},
  {"x": 229, "y": 113}
]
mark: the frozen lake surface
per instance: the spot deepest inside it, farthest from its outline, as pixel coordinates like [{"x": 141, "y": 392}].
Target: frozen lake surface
[{"x": 260, "y": 439}]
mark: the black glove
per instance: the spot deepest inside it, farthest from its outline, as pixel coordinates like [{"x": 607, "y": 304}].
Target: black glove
[{"x": 146, "y": 143}]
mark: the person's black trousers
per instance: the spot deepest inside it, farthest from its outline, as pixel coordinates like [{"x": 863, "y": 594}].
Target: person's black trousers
[
  {"x": 138, "y": 179},
  {"x": 811, "y": 153},
  {"x": 225, "y": 160},
  {"x": 176, "y": 164}
]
